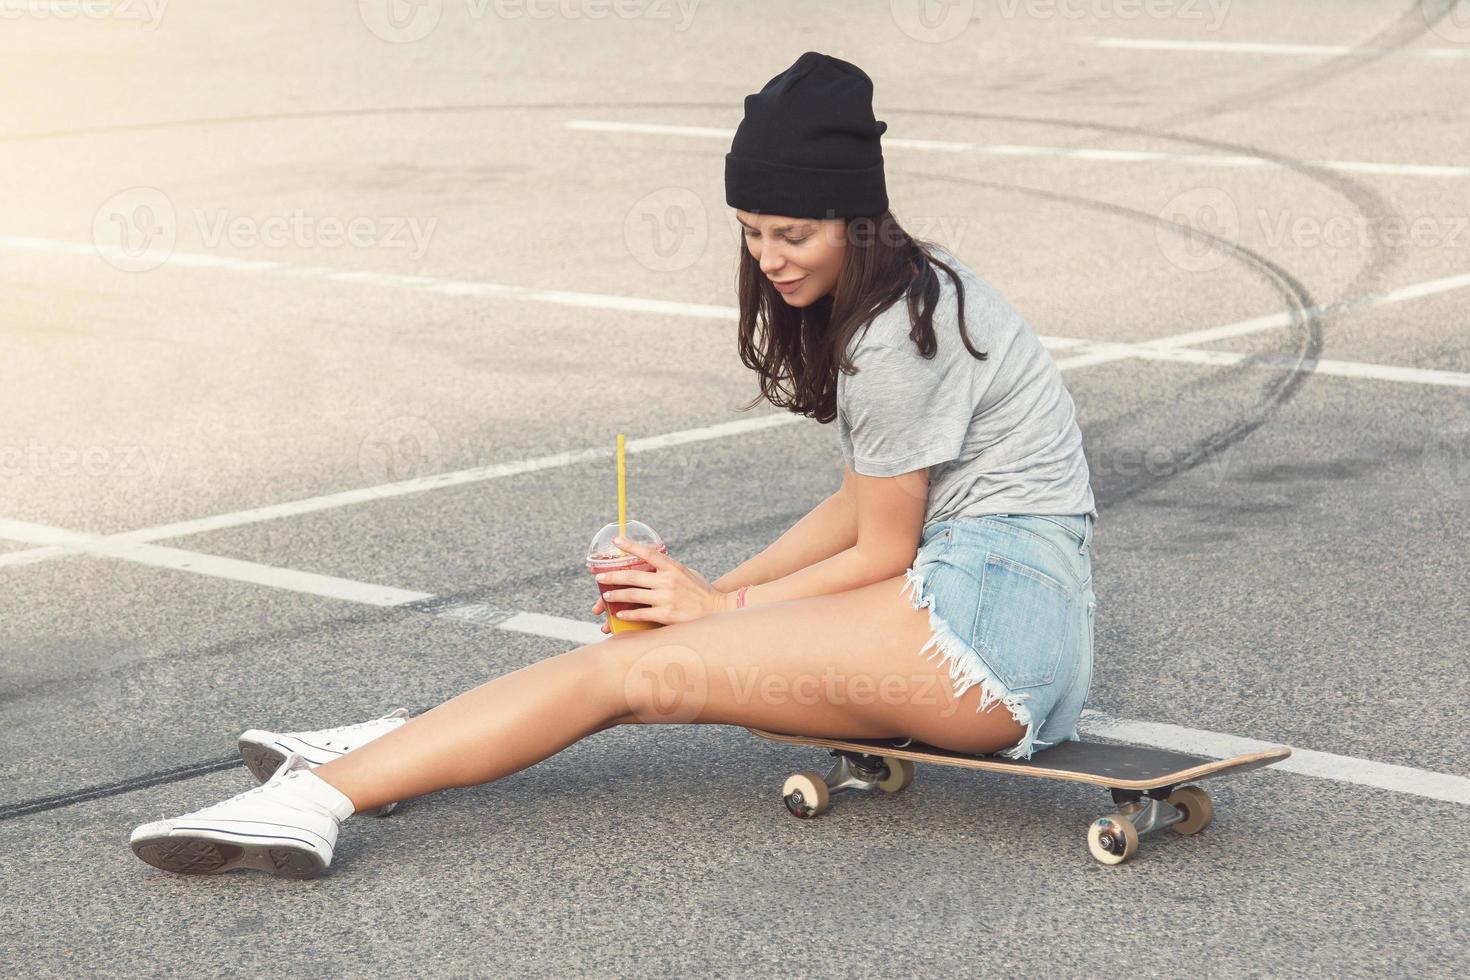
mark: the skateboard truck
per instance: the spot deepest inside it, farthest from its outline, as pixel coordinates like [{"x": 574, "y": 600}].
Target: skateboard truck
[
  {"x": 1114, "y": 839},
  {"x": 807, "y": 794}
]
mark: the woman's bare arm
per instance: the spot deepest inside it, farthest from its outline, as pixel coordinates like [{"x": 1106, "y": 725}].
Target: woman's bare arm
[
  {"x": 890, "y": 517},
  {"x": 827, "y": 529}
]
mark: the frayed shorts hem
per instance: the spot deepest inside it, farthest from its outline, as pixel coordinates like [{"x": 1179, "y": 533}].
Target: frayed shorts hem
[{"x": 966, "y": 669}]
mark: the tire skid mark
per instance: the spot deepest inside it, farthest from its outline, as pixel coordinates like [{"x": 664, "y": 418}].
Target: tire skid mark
[
  {"x": 1276, "y": 393},
  {"x": 1408, "y": 28}
]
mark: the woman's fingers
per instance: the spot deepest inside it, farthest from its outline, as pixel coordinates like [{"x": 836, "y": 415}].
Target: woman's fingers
[
  {"x": 639, "y": 596},
  {"x": 629, "y": 576},
  {"x": 653, "y": 556}
]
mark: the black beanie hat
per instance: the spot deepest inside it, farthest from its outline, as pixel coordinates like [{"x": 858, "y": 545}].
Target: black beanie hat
[{"x": 808, "y": 146}]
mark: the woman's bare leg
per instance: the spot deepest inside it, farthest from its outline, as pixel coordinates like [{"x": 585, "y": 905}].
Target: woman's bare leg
[{"x": 842, "y": 665}]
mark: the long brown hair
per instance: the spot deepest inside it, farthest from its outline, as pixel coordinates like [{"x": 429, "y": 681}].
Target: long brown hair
[{"x": 797, "y": 352}]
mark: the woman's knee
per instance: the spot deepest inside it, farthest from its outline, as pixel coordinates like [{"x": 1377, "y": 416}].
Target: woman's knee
[
  {"x": 630, "y": 679},
  {"x": 644, "y": 678}
]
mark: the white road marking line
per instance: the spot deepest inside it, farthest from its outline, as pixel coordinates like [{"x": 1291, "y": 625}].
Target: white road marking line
[
  {"x": 1323, "y": 765},
  {"x": 731, "y": 313},
  {"x": 1059, "y": 152},
  {"x": 1102, "y": 353},
  {"x": 1105, "y": 352},
  {"x": 387, "y": 491},
  {"x": 1415, "y": 291},
  {"x": 557, "y": 628},
  {"x": 1094, "y": 353},
  {"x": 476, "y": 474},
  {"x": 429, "y": 284},
  {"x": 1241, "y": 47},
  {"x": 212, "y": 566},
  {"x": 1341, "y": 369},
  {"x": 1391, "y": 169},
  {"x": 1306, "y": 762},
  {"x": 32, "y": 555},
  {"x": 600, "y": 301},
  {"x": 1273, "y": 321}
]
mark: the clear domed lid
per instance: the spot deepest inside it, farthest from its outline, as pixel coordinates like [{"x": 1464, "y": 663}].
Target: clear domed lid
[{"x": 603, "y": 549}]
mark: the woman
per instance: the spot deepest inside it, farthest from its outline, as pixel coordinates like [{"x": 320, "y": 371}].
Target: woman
[{"x": 961, "y": 531}]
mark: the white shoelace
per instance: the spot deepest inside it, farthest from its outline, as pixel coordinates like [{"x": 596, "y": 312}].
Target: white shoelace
[
  {"x": 320, "y": 734},
  {"x": 271, "y": 784}
]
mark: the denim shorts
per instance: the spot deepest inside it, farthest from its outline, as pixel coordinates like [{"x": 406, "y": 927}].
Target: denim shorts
[{"x": 1011, "y": 608}]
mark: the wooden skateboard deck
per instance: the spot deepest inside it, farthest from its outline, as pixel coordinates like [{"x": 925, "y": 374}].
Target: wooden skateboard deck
[
  {"x": 1147, "y": 784},
  {"x": 1109, "y": 766}
]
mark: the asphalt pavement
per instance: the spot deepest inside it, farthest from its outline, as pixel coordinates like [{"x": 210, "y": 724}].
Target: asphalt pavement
[{"x": 318, "y": 322}]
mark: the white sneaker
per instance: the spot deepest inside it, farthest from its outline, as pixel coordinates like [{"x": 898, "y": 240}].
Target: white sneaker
[
  {"x": 287, "y": 827},
  {"x": 264, "y": 752}
]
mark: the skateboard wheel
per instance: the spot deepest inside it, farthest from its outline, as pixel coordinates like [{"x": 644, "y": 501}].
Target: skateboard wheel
[
  {"x": 1112, "y": 840},
  {"x": 900, "y": 775},
  {"x": 805, "y": 795},
  {"x": 1195, "y": 804}
]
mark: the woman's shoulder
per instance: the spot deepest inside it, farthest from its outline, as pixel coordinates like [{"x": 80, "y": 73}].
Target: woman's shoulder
[
  {"x": 986, "y": 311},
  {"x": 989, "y": 299}
]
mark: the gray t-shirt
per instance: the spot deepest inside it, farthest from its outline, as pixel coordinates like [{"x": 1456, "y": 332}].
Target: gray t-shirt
[{"x": 999, "y": 436}]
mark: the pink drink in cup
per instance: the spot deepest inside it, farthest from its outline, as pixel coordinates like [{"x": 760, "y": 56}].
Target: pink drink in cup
[{"x": 604, "y": 556}]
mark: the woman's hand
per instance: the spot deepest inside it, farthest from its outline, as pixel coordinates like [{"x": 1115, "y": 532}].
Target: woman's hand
[{"x": 672, "y": 592}]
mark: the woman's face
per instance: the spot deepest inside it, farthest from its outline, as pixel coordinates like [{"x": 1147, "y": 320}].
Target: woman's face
[{"x": 801, "y": 256}]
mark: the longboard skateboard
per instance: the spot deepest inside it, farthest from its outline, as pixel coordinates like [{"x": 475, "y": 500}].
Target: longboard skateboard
[{"x": 1147, "y": 785}]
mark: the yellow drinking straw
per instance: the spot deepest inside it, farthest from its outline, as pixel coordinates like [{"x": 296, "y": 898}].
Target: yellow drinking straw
[{"x": 622, "y": 490}]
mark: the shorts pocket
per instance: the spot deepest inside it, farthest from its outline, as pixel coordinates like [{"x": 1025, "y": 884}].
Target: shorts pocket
[
  {"x": 1025, "y": 621},
  {"x": 956, "y": 593}
]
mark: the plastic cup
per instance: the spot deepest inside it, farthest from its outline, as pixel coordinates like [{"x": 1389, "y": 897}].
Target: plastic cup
[{"x": 604, "y": 556}]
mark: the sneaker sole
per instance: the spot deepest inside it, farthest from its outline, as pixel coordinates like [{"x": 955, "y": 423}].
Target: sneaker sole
[
  {"x": 263, "y": 761},
  {"x": 205, "y": 856}
]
